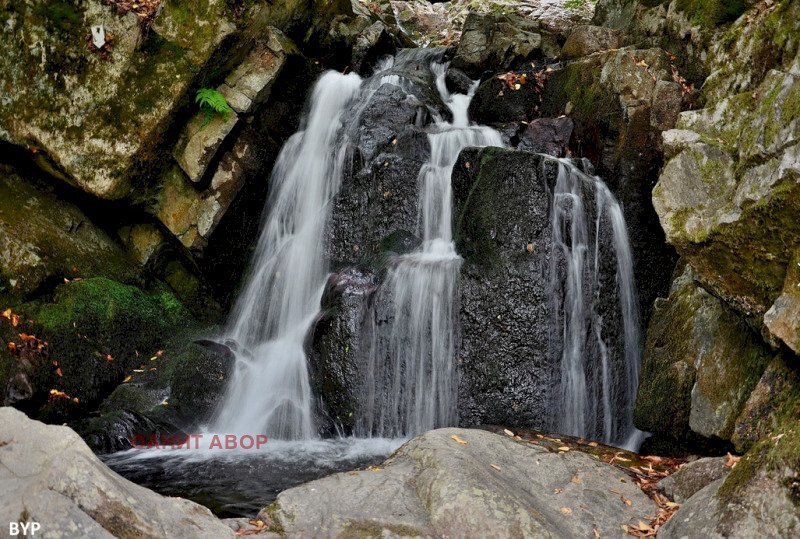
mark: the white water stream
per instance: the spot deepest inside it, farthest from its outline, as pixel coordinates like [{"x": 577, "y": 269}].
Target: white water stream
[
  {"x": 419, "y": 363},
  {"x": 598, "y": 376},
  {"x": 270, "y": 391}
]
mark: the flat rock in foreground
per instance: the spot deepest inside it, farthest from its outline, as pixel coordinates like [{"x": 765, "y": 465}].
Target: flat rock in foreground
[
  {"x": 50, "y": 476},
  {"x": 466, "y": 483}
]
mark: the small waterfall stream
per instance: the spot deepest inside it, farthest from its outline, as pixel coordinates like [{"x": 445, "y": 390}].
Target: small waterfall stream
[
  {"x": 270, "y": 391},
  {"x": 411, "y": 369},
  {"x": 598, "y": 374},
  {"x": 419, "y": 359}
]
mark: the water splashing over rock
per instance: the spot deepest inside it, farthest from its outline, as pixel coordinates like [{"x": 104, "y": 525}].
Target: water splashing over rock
[
  {"x": 590, "y": 299},
  {"x": 414, "y": 368},
  {"x": 269, "y": 391}
]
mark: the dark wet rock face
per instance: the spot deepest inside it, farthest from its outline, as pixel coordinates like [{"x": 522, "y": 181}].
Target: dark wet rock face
[
  {"x": 619, "y": 109},
  {"x": 502, "y": 228},
  {"x": 496, "y": 102},
  {"x": 547, "y": 135},
  {"x": 177, "y": 393},
  {"x": 339, "y": 347}
]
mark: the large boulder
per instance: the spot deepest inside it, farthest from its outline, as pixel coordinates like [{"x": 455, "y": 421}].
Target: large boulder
[
  {"x": 502, "y": 229},
  {"x": 500, "y": 42},
  {"x": 701, "y": 362},
  {"x": 714, "y": 45},
  {"x": 759, "y": 496},
  {"x": 693, "y": 477},
  {"x": 441, "y": 23},
  {"x": 585, "y": 40},
  {"x": 45, "y": 239},
  {"x": 75, "y": 349},
  {"x": 452, "y": 482},
  {"x": 73, "y": 103},
  {"x": 51, "y": 477},
  {"x": 340, "y": 346},
  {"x": 178, "y": 391},
  {"x": 729, "y": 196}
]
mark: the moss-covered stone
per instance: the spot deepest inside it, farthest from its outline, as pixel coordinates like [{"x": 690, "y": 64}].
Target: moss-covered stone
[
  {"x": 770, "y": 431},
  {"x": 98, "y": 330},
  {"x": 45, "y": 239},
  {"x": 95, "y": 114},
  {"x": 729, "y": 200},
  {"x": 700, "y": 364}
]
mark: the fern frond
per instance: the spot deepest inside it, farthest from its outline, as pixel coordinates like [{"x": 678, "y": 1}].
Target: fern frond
[{"x": 212, "y": 102}]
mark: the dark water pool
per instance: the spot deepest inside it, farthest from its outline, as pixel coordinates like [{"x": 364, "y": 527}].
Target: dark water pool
[{"x": 241, "y": 482}]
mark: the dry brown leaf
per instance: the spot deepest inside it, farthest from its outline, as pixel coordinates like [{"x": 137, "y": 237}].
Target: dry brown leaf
[
  {"x": 459, "y": 439},
  {"x": 566, "y": 510}
]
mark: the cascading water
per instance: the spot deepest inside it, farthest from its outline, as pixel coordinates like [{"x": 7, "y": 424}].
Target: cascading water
[
  {"x": 269, "y": 391},
  {"x": 598, "y": 374},
  {"x": 416, "y": 367}
]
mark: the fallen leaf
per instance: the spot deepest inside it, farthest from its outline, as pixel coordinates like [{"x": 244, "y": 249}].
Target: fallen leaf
[
  {"x": 593, "y": 444},
  {"x": 495, "y": 466},
  {"x": 563, "y": 448},
  {"x": 643, "y": 526},
  {"x": 566, "y": 510},
  {"x": 508, "y": 433},
  {"x": 576, "y": 480},
  {"x": 732, "y": 461},
  {"x": 458, "y": 439},
  {"x": 127, "y": 379}
]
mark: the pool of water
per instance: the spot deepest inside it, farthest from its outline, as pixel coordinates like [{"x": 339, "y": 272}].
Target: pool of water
[{"x": 236, "y": 483}]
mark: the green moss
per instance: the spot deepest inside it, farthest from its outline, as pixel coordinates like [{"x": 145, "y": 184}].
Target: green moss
[
  {"x": 779, "y": 448},
  {"x": 60, "y": 16},
  {"x": 747, "y": 259},
  {"x": 472, "y": 224},
  {"x": 712, "y": 13},
  {"x": 99, "y": 330}
]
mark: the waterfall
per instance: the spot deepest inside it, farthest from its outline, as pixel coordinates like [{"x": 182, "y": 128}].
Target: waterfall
[
  {"x": 269, "y": 391},
  {"x": 416, "y": 369},
  {"x": 599, "y": 373}
]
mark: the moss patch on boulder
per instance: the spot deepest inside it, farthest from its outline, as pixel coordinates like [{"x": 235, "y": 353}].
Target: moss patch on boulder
[{"x": 97, "y": 330}]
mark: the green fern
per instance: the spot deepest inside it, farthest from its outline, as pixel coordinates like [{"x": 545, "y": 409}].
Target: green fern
[{"x": 212, "y": 102}]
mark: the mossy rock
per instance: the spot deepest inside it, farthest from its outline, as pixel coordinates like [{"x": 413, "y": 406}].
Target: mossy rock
[
  {"x": 728, "y": 202},
  {"x": 700, "y": 364},
  {"x": 45, "y": 239},
  {"x": 98, "y": 330},
  {"x": 198, "y": 378},
  {"x": 177, "y": 391}
]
